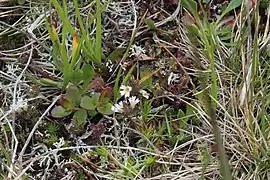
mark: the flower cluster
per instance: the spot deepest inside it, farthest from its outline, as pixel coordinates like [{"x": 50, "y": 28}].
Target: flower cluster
[{"x": 131, "y": 101}]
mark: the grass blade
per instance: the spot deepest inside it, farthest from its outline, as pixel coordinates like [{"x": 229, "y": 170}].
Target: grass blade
[{"x": 98, "y": 35}]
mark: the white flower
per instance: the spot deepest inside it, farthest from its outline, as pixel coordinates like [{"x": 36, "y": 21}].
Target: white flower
[
  {"x": 133, "y": 101},
  {"x": 144, "y": 93},
  {"x": 125, "y": 91},
  {"x": 118, "y": 107},
  {"x": 173, "y": 78}
]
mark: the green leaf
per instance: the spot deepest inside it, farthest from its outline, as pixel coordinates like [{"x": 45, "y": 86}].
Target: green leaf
[
  {"x": 73, "y": 95},
  {"x": 76, "y": 76},
  {"x": 6, "y": 154},
  {"x": 76, "y": 49},
  {"x": 88, "y": 51},
  {"x": 80, "y": 117},
  {"x": 65, "y": 103},
  {"x": 49, "y": 82},
  {"x": 181, "y": 136},
  {"x": 63, "y": 16},
  {"x": 98, "y": 47},
  {"x": 232, "y": 5},
  {"x": 116, "y": 93},
  {"x": 129, "y": 74},
  {"x": 180, "y": 113},
  {"x": 59, "y": 112},
  {"x": 191, "y": 6},
  {"x": 105, "y": 109},
  {"x": 104, "y": 100},
  {"x": 148, "y": 83},
  {"x": 193, "y": 30},
  {"x": 89, "y": 103},
  {"x": 88, "y": 74},
  {"x": 225, "y": 38},
  {"x": 115, "y": 54},
  {"x": 150, "y": 23},
  {"x": 232, "y": 44},
  {"x": 189, "y": 110},
  {"x": 222, "y": 31}
]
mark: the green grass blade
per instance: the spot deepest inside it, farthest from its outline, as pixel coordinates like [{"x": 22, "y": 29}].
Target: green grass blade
[
  {"x": 98, "y": 35},
  {"x": 128, "y": 74},
  {"x": 116, "y": 86},
  {"x": 63, "y": 16}
]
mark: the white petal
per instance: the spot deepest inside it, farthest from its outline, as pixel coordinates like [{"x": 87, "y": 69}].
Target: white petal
[
  {"x": 133, "y": 101},
  {"x": 118, "y": 107},
  {"x": 122, "y": 87}
]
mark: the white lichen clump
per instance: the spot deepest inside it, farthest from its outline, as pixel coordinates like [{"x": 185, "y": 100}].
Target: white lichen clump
[
  {"x": 137, "y": 50},
  {"x": 173, "y": 78}
]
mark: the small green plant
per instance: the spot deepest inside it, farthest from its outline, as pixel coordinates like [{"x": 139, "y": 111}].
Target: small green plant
[
  {"x": 146, "y": 108},
  {"x": 52, "y": 128},
  {"x": 84, "y": 50},
  {"x": 52, "y": 133},
  {"x": 82, "y": 105},
  {"x": 205, "y": 158},
  {"x": 77, "y": 66}
]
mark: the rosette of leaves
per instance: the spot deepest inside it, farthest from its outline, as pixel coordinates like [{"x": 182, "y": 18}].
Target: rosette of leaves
[{"x": 83, "y": 105}]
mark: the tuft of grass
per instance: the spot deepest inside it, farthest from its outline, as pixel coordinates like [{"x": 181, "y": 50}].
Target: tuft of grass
[{"x": 240, "y": 105}]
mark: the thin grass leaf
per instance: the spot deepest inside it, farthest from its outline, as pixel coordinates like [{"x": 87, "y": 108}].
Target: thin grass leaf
[
  {"x": 6, "y": 154},
  {"x": 63, "y": 16},
  {"x": 98, "y": 35},
  {"x": 211, "y": 52},
  {"x": 224, "y": 163},
  {"x": 169, "y": 126},
  {"x": 190, "y": 5},
  {"x": 148, "y": 76},
  {"x": 116, "y": 86},
  {"x": 128, "y": 74},
  {"x": 49, "y": 82},
  {"x": 116, "y": 53},
  {"x": 98, "y": 12},
  {"x": 88, "y": 45},
  {"x": 88, "y": 50},
  {"x": 232, "y": 5}
]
